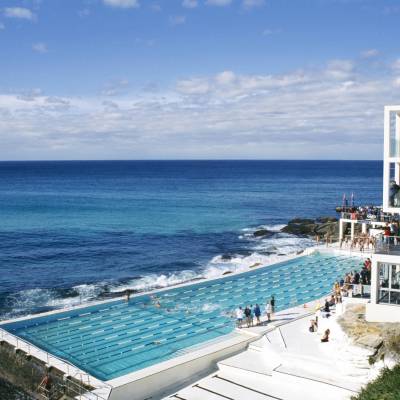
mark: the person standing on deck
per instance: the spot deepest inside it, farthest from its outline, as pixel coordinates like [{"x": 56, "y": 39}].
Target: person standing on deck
[
  {"x": 257, "y": 313},
  {"x": 268, "y": 311},
  {"x": 239, "y": 317},
  {"x": 272, "y": 301},
  {"x": 247, "y": 313}
]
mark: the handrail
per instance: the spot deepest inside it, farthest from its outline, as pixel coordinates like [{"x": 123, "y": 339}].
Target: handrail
[{"x": 78, "y": 371}]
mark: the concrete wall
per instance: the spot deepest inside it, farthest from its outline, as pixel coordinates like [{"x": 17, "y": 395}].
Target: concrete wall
[
  {"x": 169, "y": 380},
  {"x": 382, "y": 313}
]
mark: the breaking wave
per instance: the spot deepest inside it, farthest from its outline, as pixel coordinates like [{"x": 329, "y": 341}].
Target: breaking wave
[{"x": 260, "y": 251}]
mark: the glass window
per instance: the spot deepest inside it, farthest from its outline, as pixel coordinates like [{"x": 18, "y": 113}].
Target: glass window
[{"x": 389, "y": 283}]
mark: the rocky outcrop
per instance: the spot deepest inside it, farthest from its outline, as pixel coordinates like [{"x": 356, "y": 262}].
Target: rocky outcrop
[
  {"x": 382, "y": 339},
  {"x": 262, "y": 233},
  {"x": 321, "y": 226}
]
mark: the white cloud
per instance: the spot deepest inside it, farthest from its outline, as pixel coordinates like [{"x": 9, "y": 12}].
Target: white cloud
[
  {"x": 115, "y": 87},
  {"x": 340, "y": 69},
  {"x": 321, "y": 113},
  {"x": 252, "y": 3},
  {"x": 19, "y": 12},
  {"x": 177, "y": 20},
  {"x": 40, "y": 47},
  {"x": 396, "y": 65},
  {"x": 193, "y": 86},
  {"x": 190, "y": 3},
  {"x": 219, "y": 3},
  {"x": 225, "y": 77},
  {"x": 370, "y": 53},
  {"x": 269, "y": 32},
  {"x": 122, "y": 3}
]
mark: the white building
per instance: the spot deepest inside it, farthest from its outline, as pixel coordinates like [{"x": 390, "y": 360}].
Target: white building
[{"x": 385, "y": 275}]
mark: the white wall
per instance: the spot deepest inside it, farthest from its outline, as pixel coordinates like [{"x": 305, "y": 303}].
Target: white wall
[
  {"x": 381, "y": 312},
  {"x": 169, "y": 380}
]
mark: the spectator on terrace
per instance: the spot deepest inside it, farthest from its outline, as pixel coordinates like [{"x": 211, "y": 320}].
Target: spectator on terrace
[
  {"x": 239, "y": 317},
  {"x": 386, "y": 234},
  {"x": 247, "y": 314},
  {"x": 272, "y": 301},
  {"x": 327, "y": 307},
  {"x": 257, "y": 313},
  {"x": 268, "y": 311},
  {"x": 325, "y": 337},
  {"x": 313, "y": 326}
]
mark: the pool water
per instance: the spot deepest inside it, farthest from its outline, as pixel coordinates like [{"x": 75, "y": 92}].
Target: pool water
[{"x": 115, "y": 338}]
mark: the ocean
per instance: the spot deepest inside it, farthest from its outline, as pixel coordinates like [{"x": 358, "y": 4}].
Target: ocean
[{"x": 76, "y": 231}]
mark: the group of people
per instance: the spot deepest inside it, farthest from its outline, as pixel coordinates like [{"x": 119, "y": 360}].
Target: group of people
[
  {"x": 353, "y": 281},
  {"x": 361, "y": 242},
  {"x": 391, "y": 232},
  {"x": 247, "y": 315},
  {"x": 341, "y": 288},
  {"x": 324, "y": 311}
]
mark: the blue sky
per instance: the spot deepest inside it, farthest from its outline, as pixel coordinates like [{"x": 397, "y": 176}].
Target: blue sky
[{"x": 110, "y": 79}]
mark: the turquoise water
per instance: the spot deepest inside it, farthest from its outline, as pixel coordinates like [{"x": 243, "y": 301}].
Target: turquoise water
[{"x": 112, "y": 339}]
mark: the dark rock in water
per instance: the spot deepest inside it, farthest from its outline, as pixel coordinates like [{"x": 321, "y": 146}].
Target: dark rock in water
[
  {"x": 302, "y": 221},
  {"x": 227, "y": 272},
  {"x": 297, "y": 228},
  {"x": 262, "y": 233},
  {"x": 226, "y": 257},
  {"x": 322, "y": 227}
]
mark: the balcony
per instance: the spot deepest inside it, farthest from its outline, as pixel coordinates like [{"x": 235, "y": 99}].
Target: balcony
[{"x": 388, "y": 245}]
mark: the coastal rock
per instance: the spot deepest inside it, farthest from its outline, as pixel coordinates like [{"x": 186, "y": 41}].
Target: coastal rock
[
  {"x": 262, "y": 233},
  {"x": 321, "y": 226},
  {"x": 324, "y": 220},
  {"x": 370, "y": 341},
  {"x": 306, "y": 227}
]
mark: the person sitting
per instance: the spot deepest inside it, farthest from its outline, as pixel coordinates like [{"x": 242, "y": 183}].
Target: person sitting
[
  {"x": 313, "y": 326},
  {"x": 332, "y": 301},
  {"x": 327, "y": 307},
  {"x": 325, "y": 337}
]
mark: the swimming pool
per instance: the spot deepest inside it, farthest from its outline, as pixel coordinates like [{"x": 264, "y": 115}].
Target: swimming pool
[{"x": 112, "y": 339}]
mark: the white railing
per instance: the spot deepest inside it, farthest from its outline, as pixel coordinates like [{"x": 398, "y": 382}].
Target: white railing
[{"x": 65, "y": 366}]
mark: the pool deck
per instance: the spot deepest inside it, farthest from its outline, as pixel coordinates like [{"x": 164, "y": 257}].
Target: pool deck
[{"x": 288, "y": 363}]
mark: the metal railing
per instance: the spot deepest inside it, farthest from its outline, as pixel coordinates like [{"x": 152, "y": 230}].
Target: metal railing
[
  {"x": 72, "y": 372},
  {"x": 358, "y": 290},
  {"x": 387, "y": 245}
]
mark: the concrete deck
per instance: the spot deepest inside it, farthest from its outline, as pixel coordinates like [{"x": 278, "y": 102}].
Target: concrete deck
[{"x": 287, "y": 363}]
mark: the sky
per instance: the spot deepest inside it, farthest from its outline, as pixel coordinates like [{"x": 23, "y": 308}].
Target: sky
[{"x": 196, "y": 79}]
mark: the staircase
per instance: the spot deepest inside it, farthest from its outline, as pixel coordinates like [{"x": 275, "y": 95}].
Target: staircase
[{"x": 270, "y": 370}]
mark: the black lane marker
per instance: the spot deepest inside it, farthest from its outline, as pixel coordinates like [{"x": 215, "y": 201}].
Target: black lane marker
[
  {"x": 211, "y": 391},
  {"x": 246, "y": 387}
]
